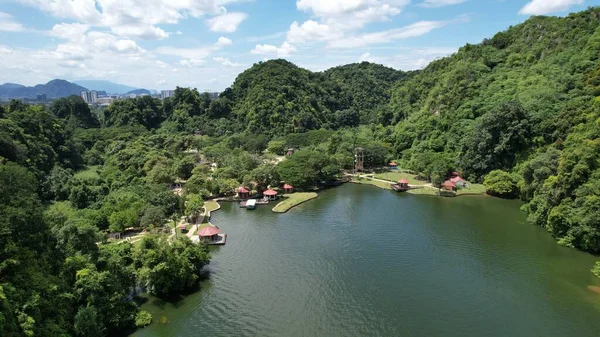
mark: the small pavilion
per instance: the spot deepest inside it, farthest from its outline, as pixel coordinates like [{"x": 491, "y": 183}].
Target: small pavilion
[
  {"x": 458, "y": 181},
  {"x": 403, "y": 184},
  {"x": 393, "y": 166},
  {"x": 271, "y": 194},
  {"x": 209, "y": 232},
  {"x": 288, "y": 188},
  {"x": 243, "y": 193},
  {"x": 448, "y": 185}
]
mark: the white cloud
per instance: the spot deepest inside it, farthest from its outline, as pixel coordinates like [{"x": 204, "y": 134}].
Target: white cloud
[
  {"x": 223, "y": 41},
  {"x": 161, "y": 82},
  {"x": 8, "y": 23},
  {"x": 351, "y": 14},
  {"x": 226, "y": 23},
  {"x": 192, "y": 63},
  {"x": 130, "y": 18},
  {"x": 69, "y": 31},
  {"x": 542, "y": 7},
  {"x": 361, "y": 40},
  {"x": 439, "y": 3},
  {"x": 226, "y": 62},
  {"x": 266, "y": 49},
  {"x": 311, "y": 31}
]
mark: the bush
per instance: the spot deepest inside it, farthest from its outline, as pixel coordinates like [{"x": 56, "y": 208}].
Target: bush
[
  {"x": 596, "y": 269},
  {"x": 501, "y": 184},
  {"x": 142, "y": 319}
]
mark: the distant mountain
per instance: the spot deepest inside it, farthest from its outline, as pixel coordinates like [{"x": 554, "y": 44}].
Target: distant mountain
[
  {"x": 52, "y": 89},
  {"x": 109, "y": 87},
  {"x": 139, "y": 92}
]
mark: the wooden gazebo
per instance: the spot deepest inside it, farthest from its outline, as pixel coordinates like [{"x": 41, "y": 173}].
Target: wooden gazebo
[
  {"x": 271, "y": 194},
  {"x": 243, "y": 193},
  {"x": 288, "y": 188}
]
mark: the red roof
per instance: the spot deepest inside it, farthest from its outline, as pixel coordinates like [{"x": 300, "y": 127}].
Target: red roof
[
  {"x": 270, "y": 192},
  {"x": 288, "y": 187},
  {"x": 243, "y": 190},
  {"x": 403, "y": 181},
  {"x": 448, "y": 183},
  {"x": 181, "y": 226},
  {"x": 455, "y": 174},
  {"x": 393, "y": 164},
  {"x": 456, "y": 179},
  {"x": 208, "y": 231}
]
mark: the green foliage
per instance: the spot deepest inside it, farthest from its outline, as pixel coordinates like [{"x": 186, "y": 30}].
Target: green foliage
[
  {"x": 142, "y": 319},
  {"x": 501, "y": 183},
  {"x": 167, "y": 268},
  {"x": 596, "y": 269},
  {"x": 306, "y": 169}
]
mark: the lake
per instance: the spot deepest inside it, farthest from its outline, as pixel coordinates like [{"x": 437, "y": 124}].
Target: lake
[{"x": 361, "y": 261}]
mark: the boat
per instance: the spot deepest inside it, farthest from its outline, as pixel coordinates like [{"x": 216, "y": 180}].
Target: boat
[{"x": 251, "y": 204}]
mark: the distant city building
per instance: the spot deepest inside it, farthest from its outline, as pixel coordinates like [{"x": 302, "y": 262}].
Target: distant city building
[
  {"x": 93, "y": 97},
  {"x": 167, "y": 93},
  {"x": 213, "y": 95},
  {"x": 105, "y": 100},
  {"x": 42, "y": 98},
  {"x": 90, "y": 97}
]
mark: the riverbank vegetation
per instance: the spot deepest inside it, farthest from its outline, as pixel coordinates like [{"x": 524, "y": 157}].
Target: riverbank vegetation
[
  {"x": 523, "y": 104},
  {"x": 293, "y": 200}
]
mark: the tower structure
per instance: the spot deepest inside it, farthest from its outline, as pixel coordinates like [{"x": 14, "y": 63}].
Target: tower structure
[{"x": 359, "y": 159}]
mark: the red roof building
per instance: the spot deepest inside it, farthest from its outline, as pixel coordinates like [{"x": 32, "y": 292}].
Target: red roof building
[
  {"x": 208, "y": 231},
  {"x": 288, "y": 188},
  {"x": 448, "y": 185},
  {"x": 243, "y": 193},
  {"x": 403, "y": 181},
  {"x": 271, "y": 194}
]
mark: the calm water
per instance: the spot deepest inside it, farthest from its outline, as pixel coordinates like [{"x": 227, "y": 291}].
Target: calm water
[{"x": 360, "y": 261}]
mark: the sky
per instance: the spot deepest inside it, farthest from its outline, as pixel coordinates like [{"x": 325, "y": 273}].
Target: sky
[{"x": 205, "y": 44}]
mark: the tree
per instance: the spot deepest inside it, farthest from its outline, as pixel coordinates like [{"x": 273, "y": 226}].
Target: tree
[
  {"x": 499, "y": 137},
  {"x": 501, "y": 183},
  {"x": 174, "y": 266},
  {"x": 153, "y": 217},
  {"x": 75, "y": 111},
  {"x": 193, "y": 206}
]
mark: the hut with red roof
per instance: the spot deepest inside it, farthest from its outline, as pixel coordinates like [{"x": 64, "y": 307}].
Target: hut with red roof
[
  {"x": 209, "y": 232},
  {"x": 448, "y": 185},
  {"x": 243, "y": 193},
  {"x": 458, "y": 181},
  {"x": 403, "y": 184},
  {"x": 271, "y": 194},
  {"x": 393, "y": 166},
  {"x": 288, "y": 188}
]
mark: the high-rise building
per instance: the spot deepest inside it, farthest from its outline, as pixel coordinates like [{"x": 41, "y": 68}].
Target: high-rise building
[
  {"x": 90, "y": 97},
  {"x": 85, "y": 96},
  {"x": 93, "y": 97},
  {"x": 167, "y": 93},
  {"x": 42, "y": 98}
]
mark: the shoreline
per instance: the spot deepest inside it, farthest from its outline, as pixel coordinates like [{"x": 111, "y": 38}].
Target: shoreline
[
  {"x": 428, "y": 191},
  {"x": 294, "y": 199}
]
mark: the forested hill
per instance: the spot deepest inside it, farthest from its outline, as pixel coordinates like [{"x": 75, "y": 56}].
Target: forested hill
[{"x": 277, "y": 97}]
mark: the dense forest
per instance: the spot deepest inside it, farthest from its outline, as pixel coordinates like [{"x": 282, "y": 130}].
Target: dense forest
[{"x": 518, "y": 112}]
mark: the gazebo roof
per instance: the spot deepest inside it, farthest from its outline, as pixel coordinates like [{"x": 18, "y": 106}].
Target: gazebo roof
[
  {"x": 456, "y": 179},
  {"x": 287, "y": 186},
  {"x": 403, "y": 181},
  {"x": 393, "y": 164},
  {"x": 448, "y": 183},
  {"x": 243, "y": 190},
  {"x": 270, "y": 192},
  {"x": 208, "y": 231}
]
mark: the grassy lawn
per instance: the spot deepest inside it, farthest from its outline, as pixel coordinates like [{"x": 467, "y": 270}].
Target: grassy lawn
[
  {"x": 379, "y": 184},
  {"x": 90, "y": 173},
  {"x": 423, "y": 191},
  {"x": 395, "y": 176},
  {"x": 292, "y": 200},
  {"x": 211, "y": 205},
  {"x": 473, "y": 189}
]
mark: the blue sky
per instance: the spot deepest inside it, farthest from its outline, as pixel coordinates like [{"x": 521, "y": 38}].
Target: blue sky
[{"x": 160, "y": 44}]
